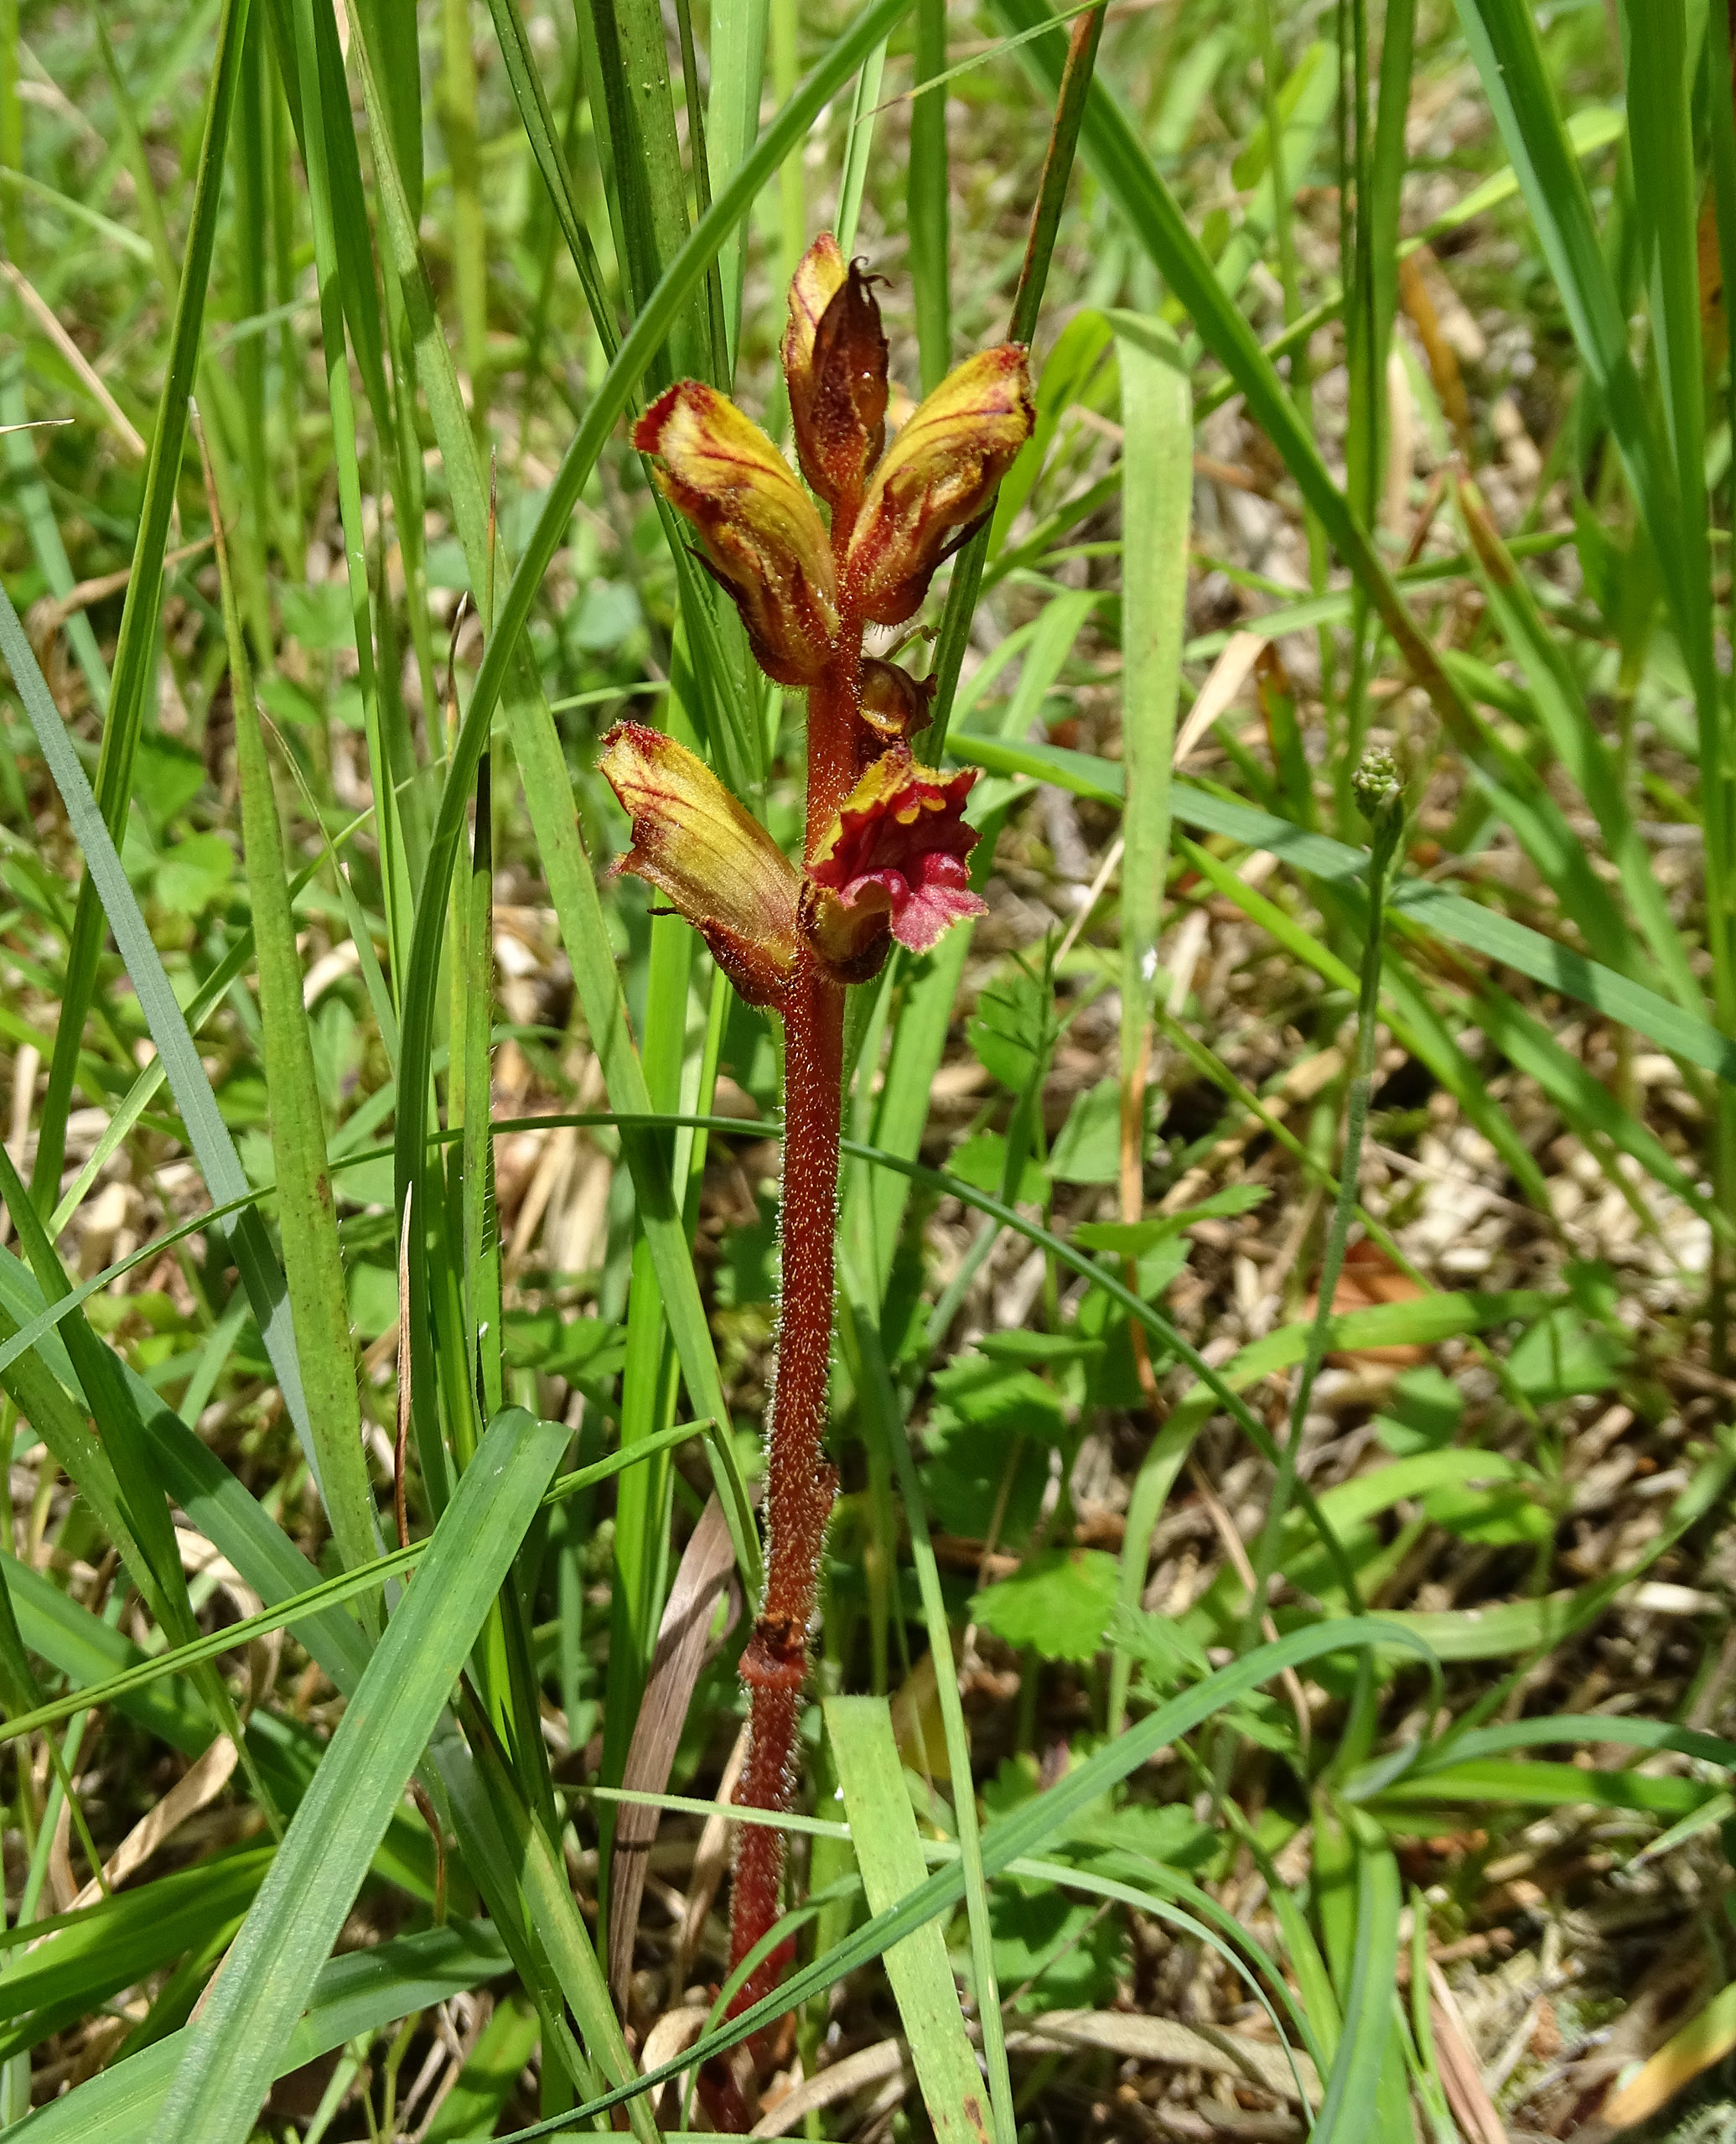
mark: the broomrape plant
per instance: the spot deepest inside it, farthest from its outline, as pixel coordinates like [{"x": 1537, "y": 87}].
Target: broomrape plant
[{"x": 883, "y": 858}]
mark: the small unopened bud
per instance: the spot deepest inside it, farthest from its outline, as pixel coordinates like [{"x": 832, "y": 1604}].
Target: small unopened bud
[
  {"x": 835, "y": 363},
  {"x": 1377, "y": 786},
  {"x": 893, "y": 702}
]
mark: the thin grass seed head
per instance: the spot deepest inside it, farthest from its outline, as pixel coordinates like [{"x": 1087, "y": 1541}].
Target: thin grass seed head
[
  {"x": 1378, "y": 787},
  {"x": 891, "y": 864}
]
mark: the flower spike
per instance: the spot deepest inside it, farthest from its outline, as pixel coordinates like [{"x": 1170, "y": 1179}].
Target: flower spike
[
  {"x": 835, "y": 363},
  {"x": 939, "y": 475},
  {"x": 894, "y": 858},
  {"x": 714, "y": 859},
  {"x": 764, "y": 541}
]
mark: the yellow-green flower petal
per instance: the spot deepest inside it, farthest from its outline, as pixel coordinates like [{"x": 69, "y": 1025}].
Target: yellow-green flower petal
[
  {"x": 763, "y": 538},
  {"x": 708, "y": 855},
  {"x": 938, "y": 476}
]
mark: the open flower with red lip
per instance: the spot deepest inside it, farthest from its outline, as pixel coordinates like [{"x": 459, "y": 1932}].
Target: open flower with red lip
[
  {"x": 763, "y": 540},
  {"x": 709, "y": 855},
  {"x": 893, "y": 859}
]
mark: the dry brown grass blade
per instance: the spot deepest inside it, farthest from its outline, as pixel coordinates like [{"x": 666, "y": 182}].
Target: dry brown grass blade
[
  {"x": 1707, "y": 2038},
  {"x": 200, "y": 1784},
  {"x": 1162, "y": 2039},
  {"x": 1461, "y": 2074},
  {"x": 683, "y": 1645},
  {"x": 1229, "y": 674},
  {"x": 841, "y": 2080},
  {"x": 44, "y": 313}
]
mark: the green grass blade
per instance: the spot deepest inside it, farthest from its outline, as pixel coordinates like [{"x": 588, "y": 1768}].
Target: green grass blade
[
  {"x": 858, "y": 143},
  {"x": 653, "y": 183},
  {"x": 212, "y": 1147},
  {"x": 1158, "y": 493},
  {"x": 737, "y": 50},
  {"x": 456, "y": 100},
  {"x": 353, "y": 257},
  {"x": 353, "y": 1995},
  {"x": 136, "y": 651},
  {"x": 251, "y": 145},
  {"x": 484, "y": 1308},
  {"x": 883, "y": 1826},
  {"x": 1448, "y": 916},
  {"x": 881, "y": 1408},
  {"x": 1521, "y": 1784},
  {"x": 313, "y": 1263},
  {"x": 229, "y": 2060},
  {"x": 1564, "y": 1729},
  {"x": 390, "y": 27},
  {"x": 926, "y": 196},
  {"x": 1356, "y": 2084},
  {"x": 384, "y": 768}
]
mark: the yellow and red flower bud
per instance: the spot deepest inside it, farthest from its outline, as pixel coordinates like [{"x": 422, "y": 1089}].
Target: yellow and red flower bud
[
  {"x": 763, "y": 539},
  {"x": 893, "y": 702},
  {"x": 894, "y": 858},
  {"x": 835, "y": 363},
  {"x": 709, "y": 855},
  {"x": 938, "y": 476}
]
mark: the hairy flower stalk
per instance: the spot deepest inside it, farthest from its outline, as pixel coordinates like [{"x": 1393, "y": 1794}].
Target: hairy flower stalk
[{"x": 883, "y": 858}]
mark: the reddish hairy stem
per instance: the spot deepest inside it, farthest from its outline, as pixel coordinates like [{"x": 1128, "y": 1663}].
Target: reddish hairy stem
[{"x": 801, "y": 1483}]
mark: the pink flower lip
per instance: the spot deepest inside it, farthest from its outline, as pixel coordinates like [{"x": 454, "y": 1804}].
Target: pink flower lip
[{"x": 898, "y": 849}]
